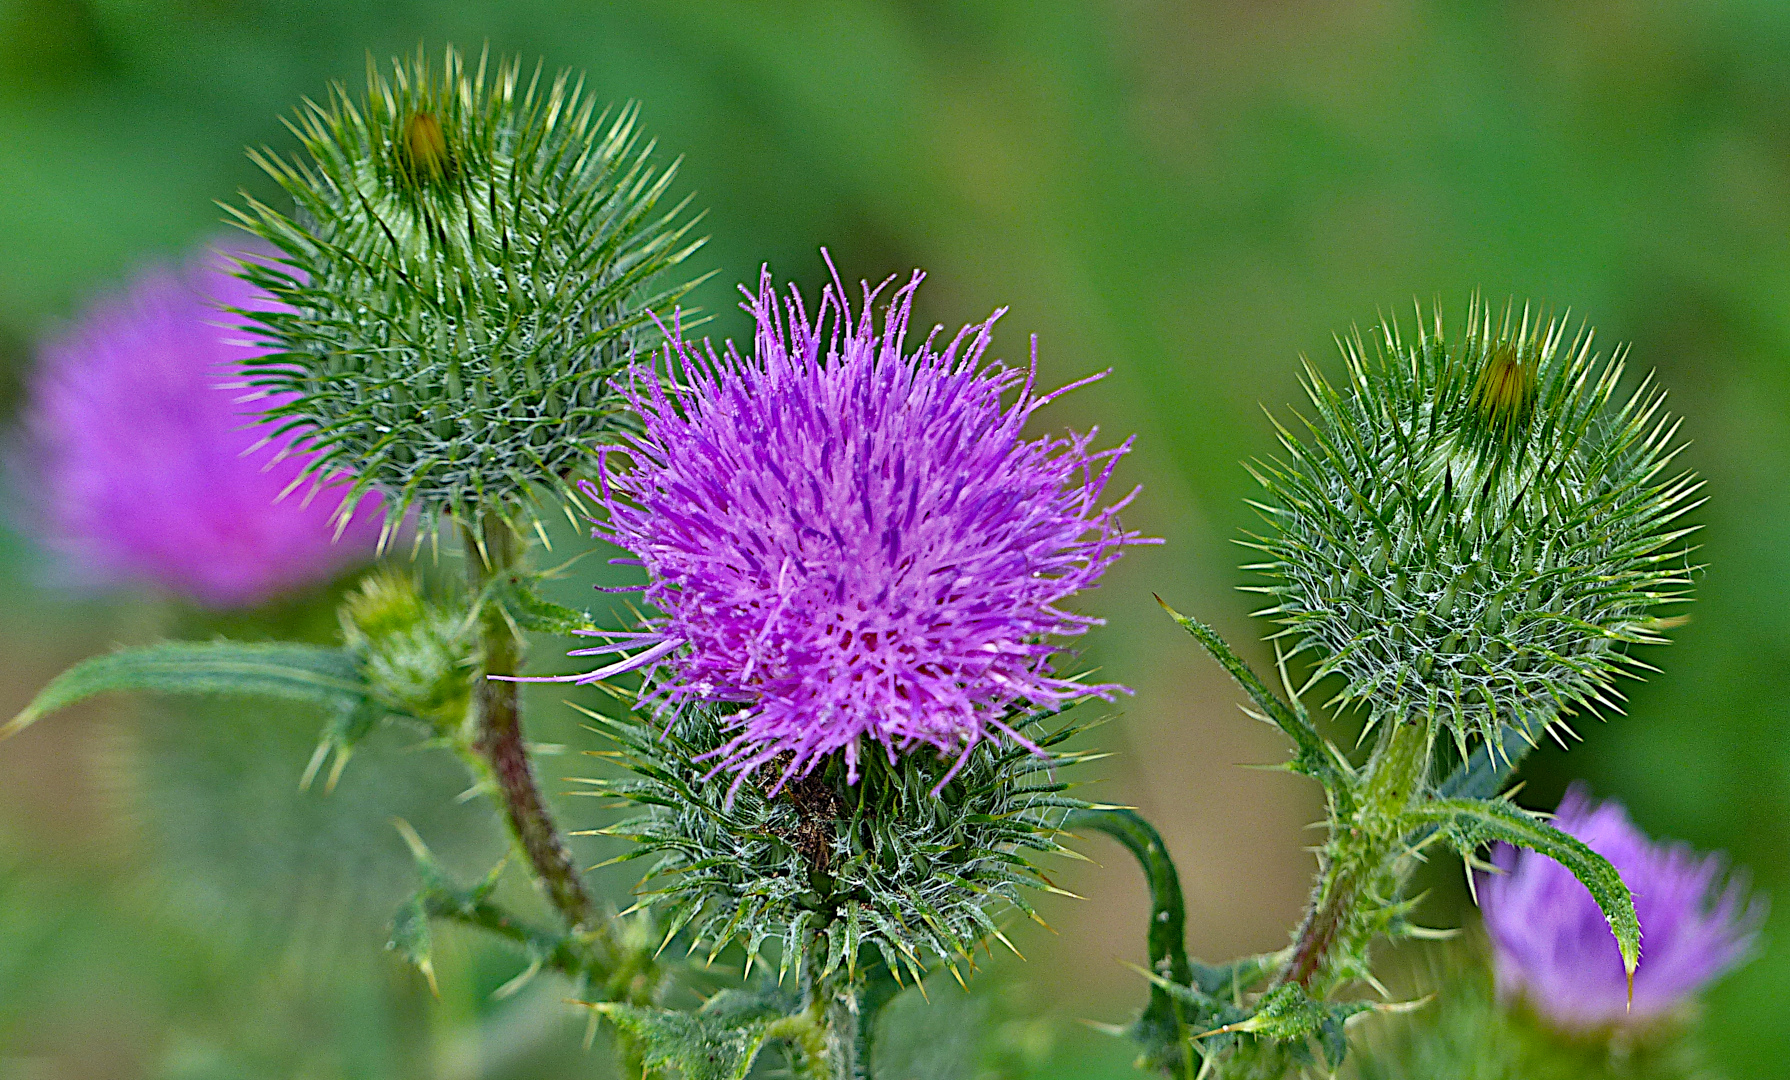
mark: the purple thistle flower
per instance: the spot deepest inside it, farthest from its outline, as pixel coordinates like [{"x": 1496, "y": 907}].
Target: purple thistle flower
[
  {"x": 852, "y": 541},
  {"x": 143, "y": 465},
  {"x": 1551, "y": 945}
]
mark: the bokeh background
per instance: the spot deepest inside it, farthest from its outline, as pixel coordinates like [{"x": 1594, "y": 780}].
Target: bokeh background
[{"x": 1192, "y": 194}]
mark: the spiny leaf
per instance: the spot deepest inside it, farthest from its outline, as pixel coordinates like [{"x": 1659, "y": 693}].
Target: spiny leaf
[
  {"x": 1314, "y": 756},
  {"x": 1469, "y": 823},
  {"x": 410, "y": 938},
  {"x": 309, "y": 673},
  {"x": 702, "y": 1047}
]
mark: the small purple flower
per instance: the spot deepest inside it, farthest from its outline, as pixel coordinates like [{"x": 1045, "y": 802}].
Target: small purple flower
[
  {"x": 853, "y": 541},
  {"x": 142, "y": 465},
  {"x": 1551, "y": 945}
]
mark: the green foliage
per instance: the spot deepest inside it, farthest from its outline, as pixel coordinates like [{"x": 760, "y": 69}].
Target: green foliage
[
  {"x": 1476, "y": 530},
  {"x": 328, "y": 678},
  {"x": 468, "y": 269},
  {"x": 1465, "y": 1033},
  {"x": 1287, "y": 1015},
  {"x": 1382, "y": 815},
  {"x": 698, "y": 1046},
  {"x": 1162, "y": 1029},
  {"x": 405, "y": 657},
  {"x": 1314, "y": 756},
  {"x": 412, "y": 935},
  {"x": 886, "y": 863},
  {"x": 1468, "y": 824},
  {"x": 1198, "y": 1014}
]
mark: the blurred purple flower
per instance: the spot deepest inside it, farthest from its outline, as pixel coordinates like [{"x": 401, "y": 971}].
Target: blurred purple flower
[
  {"x": 1550, "y": 943},
  {"x": 852, "y": 541},
  {"x": 137, "y": 459}
]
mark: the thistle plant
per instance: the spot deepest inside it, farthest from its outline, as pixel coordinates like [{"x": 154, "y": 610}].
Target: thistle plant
[
  {"x": 1552, "y": 1001},
  {"x": 471, "y": 255},
  {"x": 836, "y": 730},
  {"x": 1467, "y": 540}
]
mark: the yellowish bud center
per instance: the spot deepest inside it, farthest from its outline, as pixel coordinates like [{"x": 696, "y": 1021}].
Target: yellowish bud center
[{"x": 426, "y": 146}]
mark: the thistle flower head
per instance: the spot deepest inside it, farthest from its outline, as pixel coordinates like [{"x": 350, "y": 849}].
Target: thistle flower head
[
  {"x": 143, "y": 465},
  {"x": 1478, "y": 526},
  {"x": 851, "y": 537},
  {"x": 467, "y": 268},
  {"x": 1551, "y": 945}
]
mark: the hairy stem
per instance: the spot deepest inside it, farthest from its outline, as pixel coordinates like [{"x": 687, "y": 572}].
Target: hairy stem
[
  {"x": 1359, "y": 849},
  {"x": 497, "y": 737},
  {"x": 878, "y": 989},
  {"x": 831, "y": 1004}
]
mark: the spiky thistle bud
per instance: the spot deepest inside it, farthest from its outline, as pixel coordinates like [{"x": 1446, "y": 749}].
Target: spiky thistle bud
[
  {"x": 1475, "y": 529},
  {"x": 917, "y": 857},
  {"x": 468, "y": 265}
]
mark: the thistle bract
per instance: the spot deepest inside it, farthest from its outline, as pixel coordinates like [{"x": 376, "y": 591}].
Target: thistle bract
[
  {"x": 1551, "y": 946},
  {"x": 904, "y": 863},
  {"x": 467, "y": 267},
  {"x": 854, "y": 542},
  {"x": 142, "y": 464},
  {"x": 1475, "y": 530}
]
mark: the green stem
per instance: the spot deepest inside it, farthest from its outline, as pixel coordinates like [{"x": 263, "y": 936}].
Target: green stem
[
  {"x": 877, "y": 989},
  {"x": 830, "y": 1051},
  {"x": 497, "y": 737},
  {"x": 556, "y": 952},
  {"x": 1359, "y": 849}
]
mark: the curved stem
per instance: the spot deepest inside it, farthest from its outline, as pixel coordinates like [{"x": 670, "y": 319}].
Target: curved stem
[{"x": 497, "y": 737}]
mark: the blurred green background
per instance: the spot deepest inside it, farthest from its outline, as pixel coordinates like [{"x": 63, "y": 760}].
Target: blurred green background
[{"x": 1193, "y": 194}]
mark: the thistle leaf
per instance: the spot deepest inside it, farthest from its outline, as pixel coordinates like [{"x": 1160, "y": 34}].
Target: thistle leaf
[
  {"x": 1468, "y": 823},
  {"x": 411, "y": 939},
  {"x": 700, "y": 1047},
  {"x": 1314, "y": 756},
  {"x": 321, "y": 676},
  {"x": 1185, "y": 995},
  {"x": 534, "y": 612}
]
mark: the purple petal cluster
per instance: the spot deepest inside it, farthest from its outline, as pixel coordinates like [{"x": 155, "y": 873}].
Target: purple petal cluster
[
  {"x": 142, "y": 465},
  {"x": 1550, "y": 943},
  {"x": 852, "y": 540}
]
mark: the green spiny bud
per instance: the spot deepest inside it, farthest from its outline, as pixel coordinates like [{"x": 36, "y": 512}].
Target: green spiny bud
[
  {"x": 903, "y": 862},
  {"x": 414, "y": 653},
  {"x": 468, "y": 267},
  {"x": 1477, "y": 529}
]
